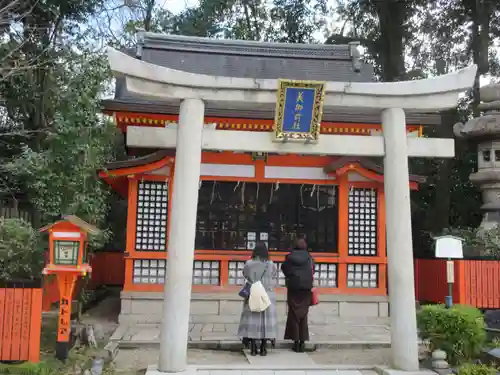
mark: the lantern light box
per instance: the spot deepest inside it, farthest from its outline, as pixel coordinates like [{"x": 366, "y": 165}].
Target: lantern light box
[{"x": 68, "y": 244}]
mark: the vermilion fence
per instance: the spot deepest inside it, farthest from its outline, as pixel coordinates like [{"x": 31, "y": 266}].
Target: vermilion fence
[
  {"x": 108, "y": 268},
  {"x": 477, "y": 282},
  {"x": 20, "y": 321}
]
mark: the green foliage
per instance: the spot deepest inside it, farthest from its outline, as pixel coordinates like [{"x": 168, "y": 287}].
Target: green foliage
[
  {"x": 478, "y": 242},
  {"x": 476, "y": 369},
  {"x": 61, "y": 177},
  {"x": 20, "y": 254},
  {"x": 495, "y": 343},
  {"x": 28, "y": 368},
  {"x": 458, "y": 331}
]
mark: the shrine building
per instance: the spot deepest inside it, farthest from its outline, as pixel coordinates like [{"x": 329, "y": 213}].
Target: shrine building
[{"x": 324, "y": 181}]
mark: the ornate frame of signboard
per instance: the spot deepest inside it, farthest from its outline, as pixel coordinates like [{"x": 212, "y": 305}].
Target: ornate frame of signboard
[{"x": 309, "y": 96}]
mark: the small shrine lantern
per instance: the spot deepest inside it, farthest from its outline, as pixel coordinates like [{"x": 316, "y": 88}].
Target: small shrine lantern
[{"x": 68, "y": 260}]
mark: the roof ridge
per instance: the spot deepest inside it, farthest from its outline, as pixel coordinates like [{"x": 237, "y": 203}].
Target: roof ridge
[
  {"x": 158, "y": 41},
  {"x": 146, "y": 35}
]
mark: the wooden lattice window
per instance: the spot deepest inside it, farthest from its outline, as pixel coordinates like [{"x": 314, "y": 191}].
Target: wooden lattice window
[
  {"x": 362, "y": 222},
  {"x": 325, "y": 275},
  {"x": 152, "y": 216},
  {"x": 362, "y": 275}
]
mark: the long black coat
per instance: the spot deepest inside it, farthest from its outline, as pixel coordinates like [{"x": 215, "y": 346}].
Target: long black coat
[{"x": 298, "y": 270}]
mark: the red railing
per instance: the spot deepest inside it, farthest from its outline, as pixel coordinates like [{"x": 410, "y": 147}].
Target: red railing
[
  {"x": 477, "y": 282},
  {"x": 108, "y": 268}
]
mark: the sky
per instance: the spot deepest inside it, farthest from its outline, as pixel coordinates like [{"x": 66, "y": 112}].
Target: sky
[{"x": 176, "y": 6}]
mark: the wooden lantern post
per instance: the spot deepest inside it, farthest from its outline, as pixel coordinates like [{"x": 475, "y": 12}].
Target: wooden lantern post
[{"x": 68, "y": 260}]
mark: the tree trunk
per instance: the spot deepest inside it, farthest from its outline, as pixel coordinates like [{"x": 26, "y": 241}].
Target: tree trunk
[
  {"x": 391, "y": 16},
  {"x": 441, "y": 208}
]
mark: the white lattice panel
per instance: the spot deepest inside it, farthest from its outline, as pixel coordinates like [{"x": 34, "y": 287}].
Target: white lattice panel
[
  {"x": 206, "y": 272},
  {"x": 362, "y": 222},
  {"x": 362, "y": 275},
  {"x": 235, "y": 273},
  {"x": 149, "y": 271},
  {"x": 152, "y": 212},
  {"x": 325, "y": 275}
]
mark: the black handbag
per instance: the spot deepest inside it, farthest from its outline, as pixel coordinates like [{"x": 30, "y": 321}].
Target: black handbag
[{"x": 245, "y": 291}]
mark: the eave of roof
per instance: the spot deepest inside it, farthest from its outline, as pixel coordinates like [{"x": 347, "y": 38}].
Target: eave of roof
[
  {"x": 370, "y": 165},
  {"x": 345, "y": 115},
  {"x": 137, "y": 162},
  {"x": 116, "y": 173}
]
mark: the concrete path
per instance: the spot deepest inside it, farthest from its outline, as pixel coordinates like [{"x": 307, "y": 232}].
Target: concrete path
[{"x": 350, "y": 332}]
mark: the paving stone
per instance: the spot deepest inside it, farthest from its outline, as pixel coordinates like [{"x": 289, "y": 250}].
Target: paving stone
[
  {"x": 343, "y": 330},
  {"x": 289, "y": 372},
  {"x": 252, "y": 372},
  {"x": 217, "y": 337},
  {"x": 219, "y": 327},
  {"x": 231, "y": 327},
  {"x": 146, "y": 335},
  {"x": 197, "y": 328},
  {"x": 207, "y": 328}
]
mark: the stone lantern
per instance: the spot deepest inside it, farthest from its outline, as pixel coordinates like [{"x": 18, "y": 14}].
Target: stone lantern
[{"x": 485, "y": 132}]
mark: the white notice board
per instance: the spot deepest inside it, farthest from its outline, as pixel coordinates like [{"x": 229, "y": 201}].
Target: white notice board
[{"x": 449, "y": 247}]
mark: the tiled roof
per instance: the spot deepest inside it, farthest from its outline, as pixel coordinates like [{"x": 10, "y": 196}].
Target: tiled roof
[{"x": 239, "y": 58}]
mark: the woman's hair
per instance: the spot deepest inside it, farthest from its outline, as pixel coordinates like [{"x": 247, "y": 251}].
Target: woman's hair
[
  {"x": 301, "y": 244},
  {"x": 260, "y": 251}
]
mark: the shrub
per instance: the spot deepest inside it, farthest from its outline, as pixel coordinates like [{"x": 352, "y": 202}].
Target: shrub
[
  {"x": 28, "y": 368},
  {"x": 20, "y": 254},
  {"x": 476, "y": 369},
  {"x": 458, "y": 331}
]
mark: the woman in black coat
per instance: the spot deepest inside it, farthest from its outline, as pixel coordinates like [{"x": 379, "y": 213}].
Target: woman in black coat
[{"x": 298, "y": 271}]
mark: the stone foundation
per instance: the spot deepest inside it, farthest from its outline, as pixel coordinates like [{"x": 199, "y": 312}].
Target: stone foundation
[{"x": 207, "y": 308}]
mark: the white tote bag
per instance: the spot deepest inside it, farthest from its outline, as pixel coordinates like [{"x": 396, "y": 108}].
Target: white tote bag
[{"x": 259, "y": 300}]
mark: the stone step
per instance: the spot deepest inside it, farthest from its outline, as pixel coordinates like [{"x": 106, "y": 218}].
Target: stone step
[
  {"x": 234, "y": 345},
  {"x": 280, "y": 358}
]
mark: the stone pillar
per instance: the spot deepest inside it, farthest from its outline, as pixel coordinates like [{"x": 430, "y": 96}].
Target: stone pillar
[
  {"x": 175, "y": 323},
  {"x": 404, "y": 345}
]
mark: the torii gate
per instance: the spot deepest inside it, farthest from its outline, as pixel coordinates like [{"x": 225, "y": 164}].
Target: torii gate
[{"x": 193, "y": 91}]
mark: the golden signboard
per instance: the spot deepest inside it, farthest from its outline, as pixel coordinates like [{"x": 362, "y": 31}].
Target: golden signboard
[{"x": 299, "y": 109}]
